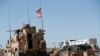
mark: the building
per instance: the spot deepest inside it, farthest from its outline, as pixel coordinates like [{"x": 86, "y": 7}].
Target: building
[{"x": 1, "y": 52}]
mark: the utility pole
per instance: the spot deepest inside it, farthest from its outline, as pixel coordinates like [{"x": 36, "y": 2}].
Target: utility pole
[
  {"x": 0, "y": 46},
  {"x": 54, "y": 44}
]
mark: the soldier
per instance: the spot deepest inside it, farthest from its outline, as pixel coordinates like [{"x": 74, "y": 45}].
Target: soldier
[
  {"x": 42, "y": 48},
  {"x": 56, "y": 52},
  {"x": 41, "y": 43},
  {"x": 52, "y": 53}
]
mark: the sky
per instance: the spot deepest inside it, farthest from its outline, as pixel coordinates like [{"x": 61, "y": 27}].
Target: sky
[{"x": 63, "y": 19}]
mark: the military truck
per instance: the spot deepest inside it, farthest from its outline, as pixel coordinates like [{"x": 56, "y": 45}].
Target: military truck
[{"x": 27, "y": 42}]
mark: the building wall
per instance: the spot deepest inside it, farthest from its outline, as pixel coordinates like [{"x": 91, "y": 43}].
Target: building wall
[
  {"x": 1, "y": 52},
  {"x": 93, "y": 41}
]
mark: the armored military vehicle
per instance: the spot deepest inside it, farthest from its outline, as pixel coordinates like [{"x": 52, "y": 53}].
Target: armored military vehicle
[{"x": 27, "y": 42}]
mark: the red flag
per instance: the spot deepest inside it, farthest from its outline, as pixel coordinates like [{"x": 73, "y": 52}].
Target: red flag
[{"x": 39, "y": 13}]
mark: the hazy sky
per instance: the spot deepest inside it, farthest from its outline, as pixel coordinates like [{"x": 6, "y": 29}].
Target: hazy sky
[{"x": 63, "y": 19}]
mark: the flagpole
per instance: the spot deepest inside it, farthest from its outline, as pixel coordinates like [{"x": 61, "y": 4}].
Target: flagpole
[
  {"x": 28, "y": 16},
  {"x": 42, "y": 23},
  {"x": 41, "y": 16}
]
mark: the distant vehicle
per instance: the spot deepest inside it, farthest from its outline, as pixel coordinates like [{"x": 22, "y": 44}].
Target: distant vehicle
[{"x": 92, "y": 42}]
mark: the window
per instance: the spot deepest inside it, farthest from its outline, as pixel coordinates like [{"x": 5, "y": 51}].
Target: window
[{"x": 29, "y": 38}]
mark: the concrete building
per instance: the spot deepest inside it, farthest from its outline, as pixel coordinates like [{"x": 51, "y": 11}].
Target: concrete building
[{"x": 1, "y": 52}]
